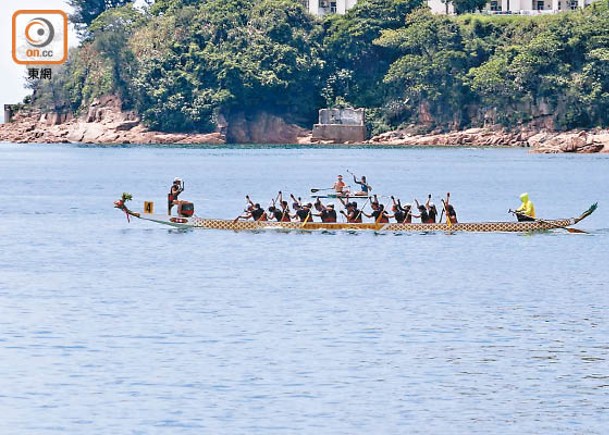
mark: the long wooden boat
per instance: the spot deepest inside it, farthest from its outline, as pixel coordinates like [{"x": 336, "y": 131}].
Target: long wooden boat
[{"x": 226, "y": 224}]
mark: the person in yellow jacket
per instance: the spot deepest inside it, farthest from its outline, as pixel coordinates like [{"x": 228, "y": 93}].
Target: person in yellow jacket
[{"x": 526, "y": 211}]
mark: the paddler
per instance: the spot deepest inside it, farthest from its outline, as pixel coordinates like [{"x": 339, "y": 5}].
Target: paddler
[
  {"x": 379, "y": 214},
  {"x": 364, "y": 186},
  {"x": 526, "y": 211},
  {"x": 297, "y": 204},
  {"x": 423, "y": 215},
  {"x": 451, "y": 214},
  {"x": 276, "y": 213},
  {"x": 340, "y": 186},
  {"x": 432, "y": 211},
  {"x": 304, "y": 213},
  {"x": 326, "y": 212},
  {"x": 401, "y": 213},
  {"x": 285, "y": 209},
  {"x": 353, "y": 215},
  {"x": 172, "y": 198},
  {"x": 253, "y": 211}
]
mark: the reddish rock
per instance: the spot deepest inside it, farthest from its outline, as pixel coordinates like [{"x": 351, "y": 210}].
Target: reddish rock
[{"x": 104, "y": 123}]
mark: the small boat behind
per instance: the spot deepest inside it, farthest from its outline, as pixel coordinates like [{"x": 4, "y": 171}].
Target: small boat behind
[
  {"x": 336, "y": 196},
  {"x": 191, "y": 220}
]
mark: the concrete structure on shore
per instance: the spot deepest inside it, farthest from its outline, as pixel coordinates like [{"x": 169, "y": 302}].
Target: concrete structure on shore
[
  {"x": 8, "y": 113},
  {"x": 517, "y": 7},
  {"x": 340, "y": 126}
]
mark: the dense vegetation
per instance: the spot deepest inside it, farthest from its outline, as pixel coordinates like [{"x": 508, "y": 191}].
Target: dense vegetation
[{"x": 182, "y": 63}]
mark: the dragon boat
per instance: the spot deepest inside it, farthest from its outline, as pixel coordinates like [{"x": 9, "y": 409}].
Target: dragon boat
[{"x": 191, "y": 220}]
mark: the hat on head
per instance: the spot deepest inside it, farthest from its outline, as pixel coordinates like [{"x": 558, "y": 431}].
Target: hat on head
[
  {"x": 177, "y": 180},
  {"x": 330, "y": 205}
]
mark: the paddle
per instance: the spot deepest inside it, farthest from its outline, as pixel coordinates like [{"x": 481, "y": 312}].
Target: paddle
[
  {"x": 249, "y": 202},
  {"x": 359, "y": 214},
  {"x": 315, "y": 190},
  {"x": 377, "y": 221},
  {"x": 444, "y": 208},
  {"x": 553, "y": 226},
  {"x": 284, "y": 211},
  {"x": 306, "y": 219}
]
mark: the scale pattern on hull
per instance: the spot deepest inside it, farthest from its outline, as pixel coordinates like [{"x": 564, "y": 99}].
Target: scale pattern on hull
[{"x": 221, "y": 224}]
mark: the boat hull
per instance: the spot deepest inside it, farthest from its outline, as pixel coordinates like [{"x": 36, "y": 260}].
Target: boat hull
[
  {"x": 220, "y": 224},
  {"x": 247, "y": 225},
  {"x": 225, "y": 224}
]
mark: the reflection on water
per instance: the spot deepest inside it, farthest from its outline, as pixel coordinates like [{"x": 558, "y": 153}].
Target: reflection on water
[{"x": 110, "y": 327}]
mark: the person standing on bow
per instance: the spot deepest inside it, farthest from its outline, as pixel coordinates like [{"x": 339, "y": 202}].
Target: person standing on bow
[
  {"x": 526, "y": 211},
  {"x": 172, "y": 198}
]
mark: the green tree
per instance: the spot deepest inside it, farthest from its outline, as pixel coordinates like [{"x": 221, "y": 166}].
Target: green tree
[
  {"x": 237, "y": 55},
  {"x": 465, "y": 6},
  {"x": 356, "y": 66},
  {"x": 86, "y": 11},
  {"x": 430, "y": 72}
]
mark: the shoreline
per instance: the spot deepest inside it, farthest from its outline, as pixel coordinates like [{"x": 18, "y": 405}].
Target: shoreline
[{"x": 106, "y": 124}]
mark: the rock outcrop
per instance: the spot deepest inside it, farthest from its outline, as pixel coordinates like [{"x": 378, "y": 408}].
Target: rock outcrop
[
  {"x": 475, "y": 137},
  {"x": 538, "y": 142},
  {"x": 104, "y": 123},
  {"x": 570, "y": 142},
  {"x": 262, "y": 128}
]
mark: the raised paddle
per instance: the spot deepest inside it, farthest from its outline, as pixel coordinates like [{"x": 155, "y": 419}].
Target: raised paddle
[
  {"x": 359, "y": 214},
  {"x": 444, "y": 208},
  {"x": 249, "y": 202}
]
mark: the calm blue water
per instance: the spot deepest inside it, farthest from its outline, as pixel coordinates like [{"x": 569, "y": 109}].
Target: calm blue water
[{"x": 108, "y": 327}]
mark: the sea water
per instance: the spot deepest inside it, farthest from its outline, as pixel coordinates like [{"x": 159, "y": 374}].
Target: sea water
[{"x": 113, "y": 327}]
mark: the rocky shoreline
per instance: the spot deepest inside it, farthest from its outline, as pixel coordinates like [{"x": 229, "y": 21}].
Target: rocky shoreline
[
  {"x": 579, "y": 141},
  {"x": 105, "y": 123}
]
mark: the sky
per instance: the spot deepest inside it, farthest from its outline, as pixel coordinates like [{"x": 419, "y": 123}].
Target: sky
[{"x": 11, "y": 74}]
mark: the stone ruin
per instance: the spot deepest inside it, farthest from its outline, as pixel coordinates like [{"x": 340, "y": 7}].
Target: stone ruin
[{"x": 340, "y": 126}]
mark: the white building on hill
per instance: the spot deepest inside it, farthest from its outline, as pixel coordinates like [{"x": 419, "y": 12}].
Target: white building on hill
[
  {"x": 323, "y": 7},
  {"x": 523, "y": 7}
]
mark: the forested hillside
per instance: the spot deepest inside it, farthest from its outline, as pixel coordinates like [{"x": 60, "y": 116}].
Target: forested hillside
[{"x": 183, "y": 64}]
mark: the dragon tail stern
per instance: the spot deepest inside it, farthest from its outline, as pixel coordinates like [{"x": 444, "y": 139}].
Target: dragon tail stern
[{"x": 587, "y": 213}]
